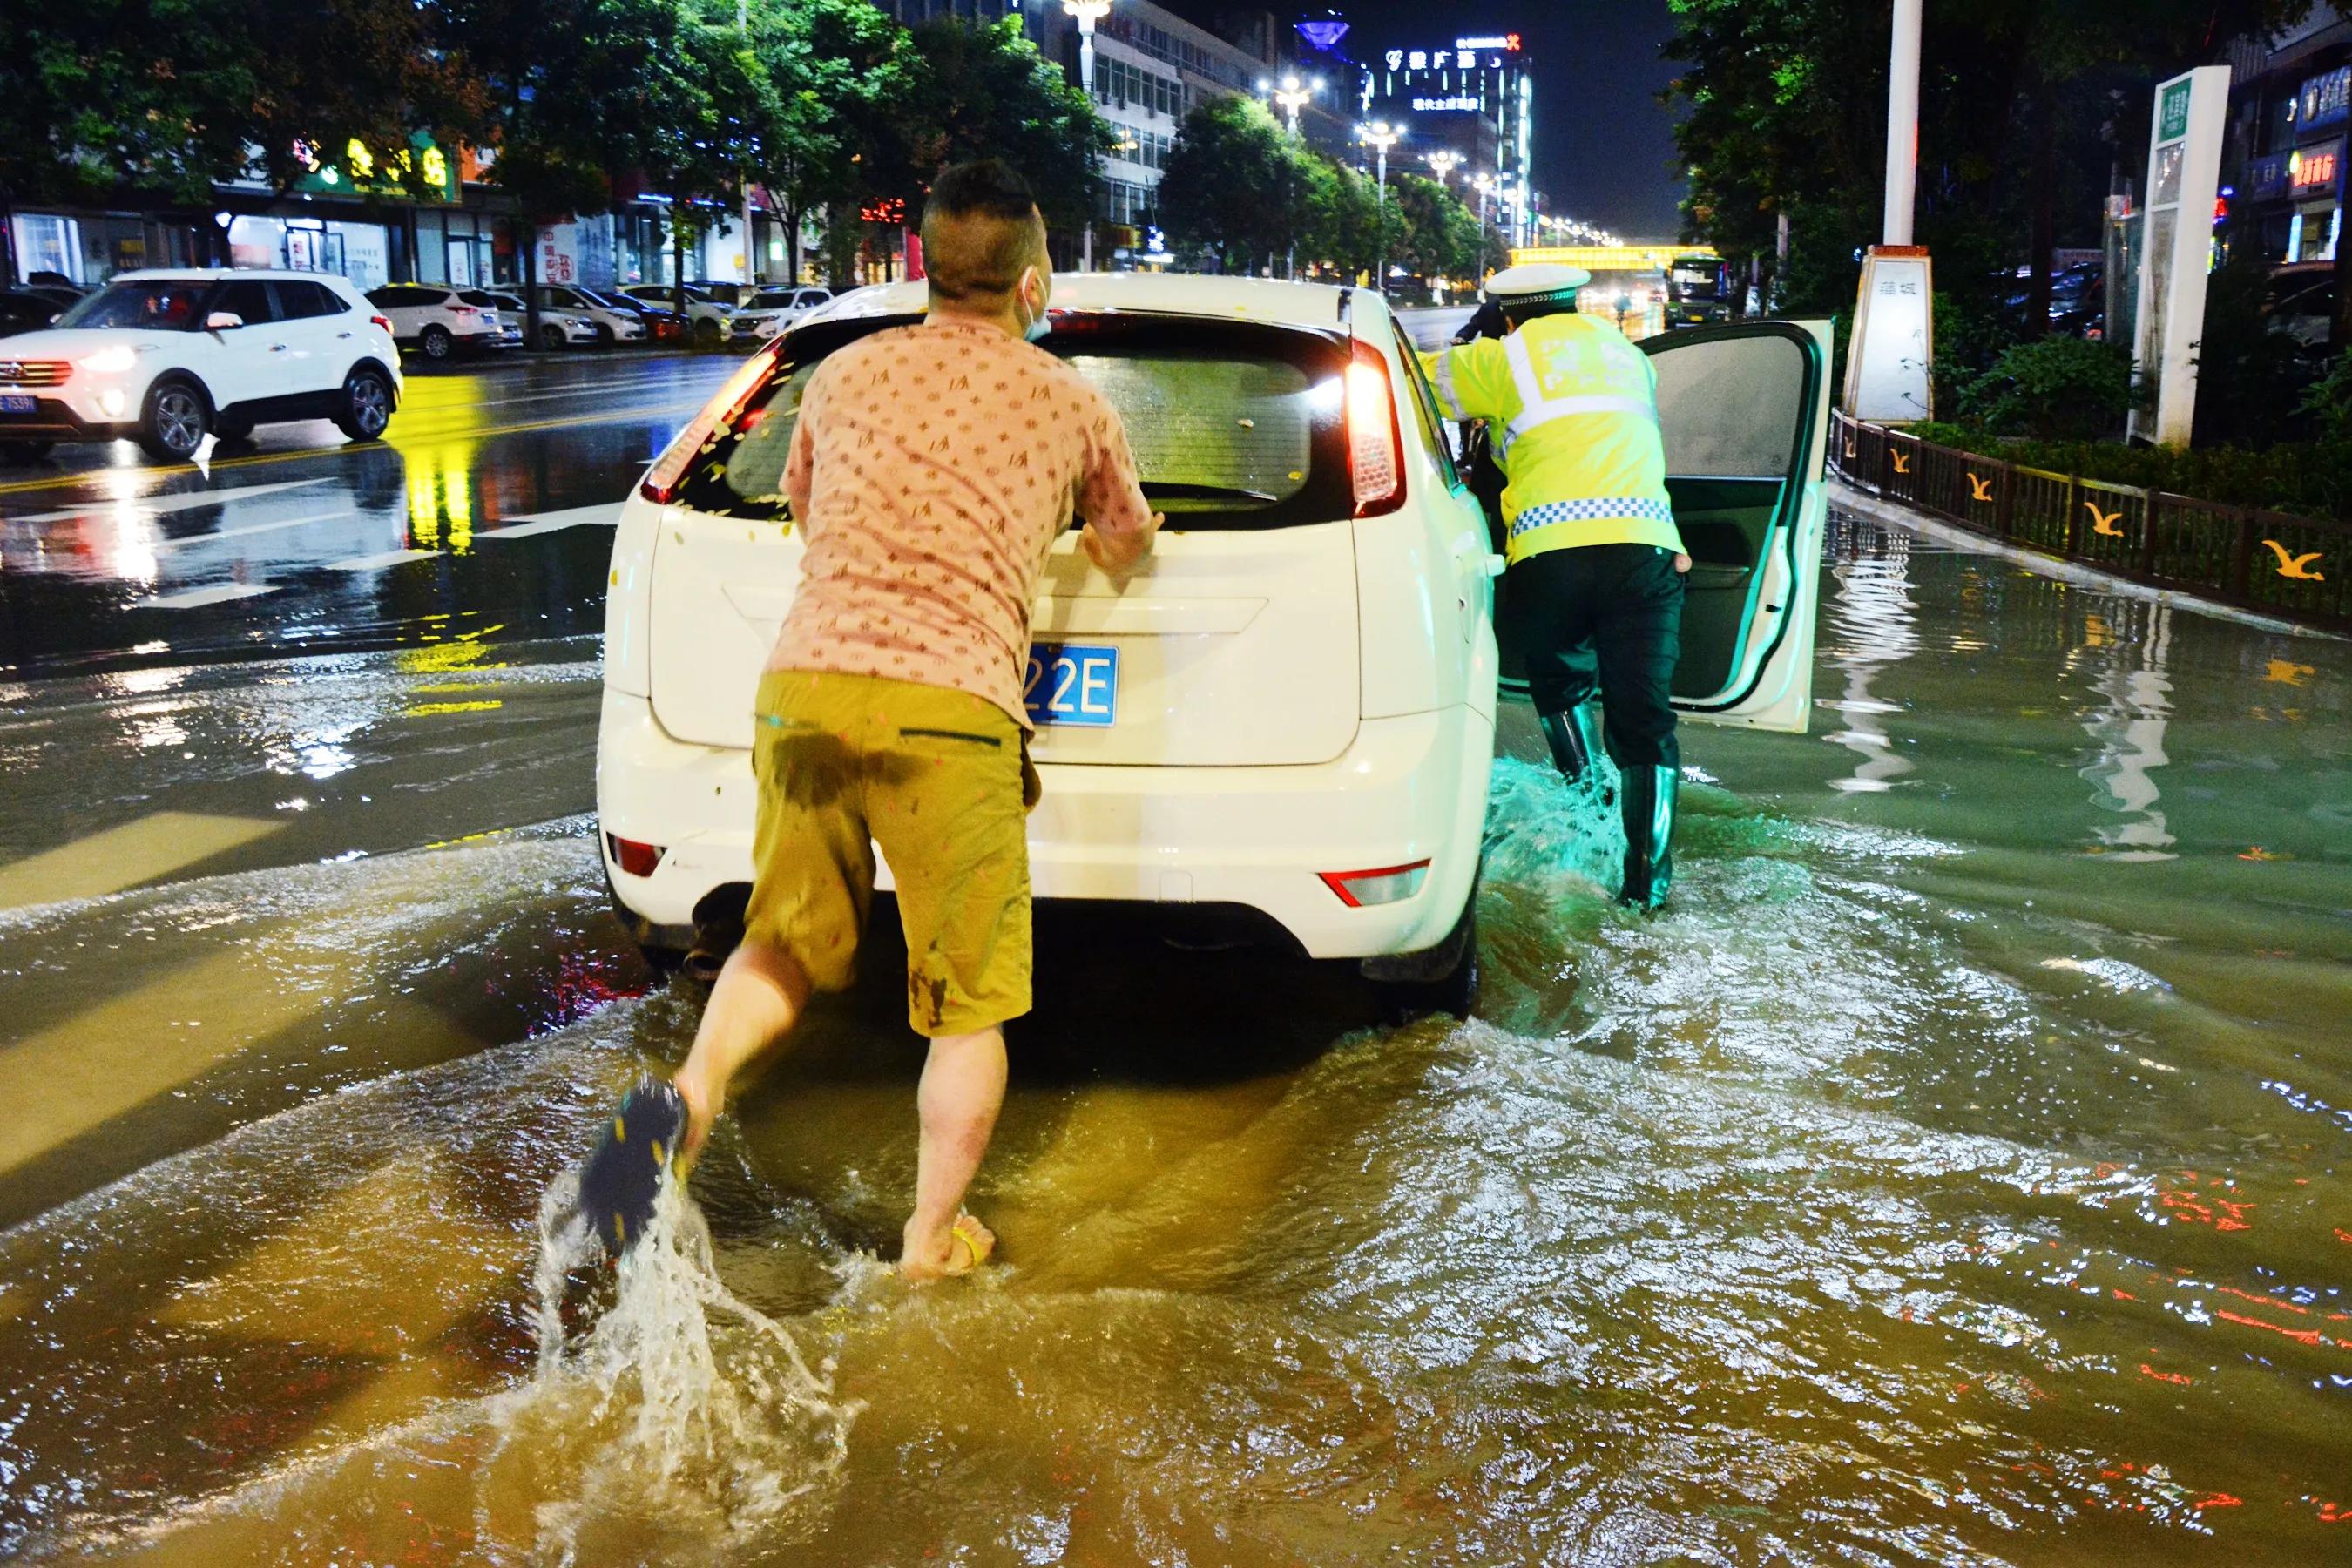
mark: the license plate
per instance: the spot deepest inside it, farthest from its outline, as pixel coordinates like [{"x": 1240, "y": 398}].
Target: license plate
[
  {"x": 1072, "y": 683},
  {"x": 17, "y": 402}
]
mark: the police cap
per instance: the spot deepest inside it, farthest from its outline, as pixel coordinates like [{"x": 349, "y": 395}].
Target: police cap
[{"x": 1536, "y": 283}]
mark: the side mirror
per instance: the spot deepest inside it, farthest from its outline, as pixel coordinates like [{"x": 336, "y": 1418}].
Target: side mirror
[{"x": 223, "y": 322}]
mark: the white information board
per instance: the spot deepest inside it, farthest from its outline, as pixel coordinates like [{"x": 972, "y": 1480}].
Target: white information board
[
  {"x": 2184, "y": 176},
  {"x": 1887, "y": 368}
]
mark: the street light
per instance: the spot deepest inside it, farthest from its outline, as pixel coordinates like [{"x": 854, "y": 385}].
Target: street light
[
  {"x": 1088, "y": 12},
  {"x": 1382, "y": 136},
  {"x": 1444, "y": 163},
  {"x": 1293, "y": 95}
]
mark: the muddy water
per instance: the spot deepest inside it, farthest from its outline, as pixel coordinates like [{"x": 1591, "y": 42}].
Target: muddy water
[{"x": 1958, "y": 1173}]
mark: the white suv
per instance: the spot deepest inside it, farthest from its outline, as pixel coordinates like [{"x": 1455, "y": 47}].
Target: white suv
[
  {"x": 1283, "y": 727},
  {"x": 168, "y": 357},
  {"x": 773, "y": 311},
  {"x": 708, "y": 320},
  {"x": 438, "y": 321},
  {"x": 609, "y": 323}
]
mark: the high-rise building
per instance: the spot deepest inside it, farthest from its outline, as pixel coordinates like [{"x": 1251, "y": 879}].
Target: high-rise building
[{"x": 1472, "y": 96}]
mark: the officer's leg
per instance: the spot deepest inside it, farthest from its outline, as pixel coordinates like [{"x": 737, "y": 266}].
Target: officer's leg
[
  {"x": 1548, "y": 599},
  {"x": 1638, "y": 643}
]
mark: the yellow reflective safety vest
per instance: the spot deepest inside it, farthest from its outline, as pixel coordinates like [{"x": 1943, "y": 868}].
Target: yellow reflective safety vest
[{"x": 1573, "y": 409}]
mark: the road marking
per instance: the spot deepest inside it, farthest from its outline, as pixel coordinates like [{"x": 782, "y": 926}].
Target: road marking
[
  {"x": 405, "y": 440},
  {"x": 607, "y": 514},
  {"x": 387, "y": 558},
  {"x": 142, "y": 851},
  {"x": 256, "y": 528},
  {"x": 160, "y": 504},
  {"x": 197, "y": 598}
]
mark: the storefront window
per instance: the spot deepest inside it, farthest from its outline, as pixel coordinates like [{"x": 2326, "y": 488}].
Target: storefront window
[{"x": 47, "y": 244}]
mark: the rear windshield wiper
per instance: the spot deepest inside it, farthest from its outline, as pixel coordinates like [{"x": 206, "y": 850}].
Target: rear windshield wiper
[{"x": 1174, "y": 489}]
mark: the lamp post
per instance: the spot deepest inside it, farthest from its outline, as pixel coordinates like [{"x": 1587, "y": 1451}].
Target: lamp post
[
  {"x": 751, "y": 261},
  {"x": 1444, "y": 163},
  {"x": 1381, "y": 136},
  {"x": 1292, "y": 94},
  {"x": 1088, "y": 12}
]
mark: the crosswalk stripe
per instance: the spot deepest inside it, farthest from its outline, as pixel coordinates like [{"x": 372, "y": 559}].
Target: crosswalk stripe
[
  {"x": 386, "y": 558},
  {"x": 524, "y": 526},
  {"x": 197, "y": 598}
]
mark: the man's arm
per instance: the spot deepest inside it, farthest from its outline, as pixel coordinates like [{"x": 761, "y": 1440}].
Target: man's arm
[
  {"x": 1469, "y": 378},
  {"x": 1120, "y": 524}
]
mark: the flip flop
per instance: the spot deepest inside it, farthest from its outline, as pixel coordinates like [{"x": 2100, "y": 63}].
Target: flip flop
[
  {"x": 975, "y": 1240},
  {"x": 623, "y": 1176}
]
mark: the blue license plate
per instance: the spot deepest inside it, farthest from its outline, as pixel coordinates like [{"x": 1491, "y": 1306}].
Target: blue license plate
[
  {"x": 16, "y": 403},
  {"x": 1072, "y": 683}
]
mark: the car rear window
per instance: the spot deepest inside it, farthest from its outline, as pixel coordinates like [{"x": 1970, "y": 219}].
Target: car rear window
[
  {"x": 479, "y": 300},
  {"x": 1234, "y": 425}
]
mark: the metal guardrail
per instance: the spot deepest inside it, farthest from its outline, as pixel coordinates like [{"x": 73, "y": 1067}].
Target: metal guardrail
[{"x": 2297, "y": 568}]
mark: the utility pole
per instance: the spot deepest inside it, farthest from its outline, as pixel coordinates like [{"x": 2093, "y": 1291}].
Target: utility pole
[
  {"x": 1889, "y": 370},
  {"x": 1903, "y": 121},
  {"x": 1382, "y": 136},
  {"x": 1088, "y": 12},
  {"x": 750, "y": 258}
]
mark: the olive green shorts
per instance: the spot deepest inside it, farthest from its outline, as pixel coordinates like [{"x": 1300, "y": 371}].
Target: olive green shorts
[{"x": 940, "y": 780}]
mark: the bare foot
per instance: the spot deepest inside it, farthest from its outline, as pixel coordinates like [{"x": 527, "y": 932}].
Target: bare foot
[{"x": 958, "y": 1249}]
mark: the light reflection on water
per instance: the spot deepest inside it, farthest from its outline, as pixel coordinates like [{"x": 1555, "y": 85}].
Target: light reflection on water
[{"x": 1918, "y": 1187}]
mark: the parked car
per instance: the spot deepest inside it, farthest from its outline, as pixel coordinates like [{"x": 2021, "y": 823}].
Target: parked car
[
  {"x": 772, "y": 310},
  {"x": 2301, "y": 303},
  {"x": 727, "y": 294},
  {"x": 708, "y": 318},
  {"x": 168, "y": 357},
  {"x": 1298, "y": 695},
  {"x": 610, "y": 322},
  {"x": 557, "y": 329},
  {"x": 439, "y": 321},
  {"x": 662, "y": 325},
  {"x": 26, "y": 310}
]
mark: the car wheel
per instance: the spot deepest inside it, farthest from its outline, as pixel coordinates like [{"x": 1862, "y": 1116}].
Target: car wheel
[
  {"x": 707, "y": 333},
  {"x": 367, "y": 405},
  {"x": 173, "y": 424},
  {"x": 23, "y": 451},
  {"x": 1453, "y": 993},
  {"x": 604, "y": 335},
  {"x": 436, "y": 343},
  {"x": 551, "y": 336}
]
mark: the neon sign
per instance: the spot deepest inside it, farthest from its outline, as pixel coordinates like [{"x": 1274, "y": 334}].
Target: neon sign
[
  {"x": 1499, "y": 41},
  {"x": 1441, "y": 105}
]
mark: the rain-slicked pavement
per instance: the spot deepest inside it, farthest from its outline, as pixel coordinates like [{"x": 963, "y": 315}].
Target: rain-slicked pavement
[{"x": 1955, "y": 1172}]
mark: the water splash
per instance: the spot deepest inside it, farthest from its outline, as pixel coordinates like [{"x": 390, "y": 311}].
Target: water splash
[{"x": 686, "y": 1407}]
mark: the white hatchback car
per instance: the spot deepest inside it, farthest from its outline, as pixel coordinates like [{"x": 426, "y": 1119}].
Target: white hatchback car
[
  {"x": 169, "y": 357},
  {"x": 708, "y": 319},
  {"x": 1283, "y": 727},
  {"x": 608, "y": 323}
]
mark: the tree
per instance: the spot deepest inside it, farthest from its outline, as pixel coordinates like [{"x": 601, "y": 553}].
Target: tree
[
  {"x": 986, "y": 92},
  {"x": 838, "y": 69},
  {"x": 1232, "y": 184}
]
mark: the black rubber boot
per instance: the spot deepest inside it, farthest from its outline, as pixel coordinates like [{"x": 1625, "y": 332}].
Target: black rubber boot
[
  {"x": 1575, "y": 739},
  {"x": 1648, "y": 814}
]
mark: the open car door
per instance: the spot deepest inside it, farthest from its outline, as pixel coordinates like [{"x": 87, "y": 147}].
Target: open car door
[{"x": 1745, "y": 413}]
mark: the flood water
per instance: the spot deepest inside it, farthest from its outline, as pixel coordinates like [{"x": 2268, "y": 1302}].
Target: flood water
[{"x": 1955, "y": 1172}]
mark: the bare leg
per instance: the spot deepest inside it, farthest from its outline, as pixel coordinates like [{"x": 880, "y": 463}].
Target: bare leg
[
  {"x": 759, "y": 997},
  {"x": 961, "y": 1091}
]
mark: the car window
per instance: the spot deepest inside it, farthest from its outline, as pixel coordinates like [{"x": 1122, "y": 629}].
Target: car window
[
  {"x": 770, "y": 300},
  {"x": 811, "y": 297},
  {"x": 1424, "y": 402},
  {"x": 1234, "y": 425},
  {"x": 168, "y": 303},
  {"x": 300, "y": 302},
  {"x": 246, "y": 297},
  {"x": 479, "y": 300}
]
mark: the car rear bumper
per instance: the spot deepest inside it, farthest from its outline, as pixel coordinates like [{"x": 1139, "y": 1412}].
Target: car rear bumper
[{"x": 1408, "y": 789}]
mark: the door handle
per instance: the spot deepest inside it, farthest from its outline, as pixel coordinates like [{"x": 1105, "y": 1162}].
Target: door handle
[
  {"x": 278, "y": 348},
  {"x": 342, "y": 334}
]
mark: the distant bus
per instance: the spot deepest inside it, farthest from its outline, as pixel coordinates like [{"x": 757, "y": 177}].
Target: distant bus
[{"x": 1697, "y": 292}]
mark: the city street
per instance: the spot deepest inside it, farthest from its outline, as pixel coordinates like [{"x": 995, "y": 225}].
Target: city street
[{"x": 1970, "y": 1131}]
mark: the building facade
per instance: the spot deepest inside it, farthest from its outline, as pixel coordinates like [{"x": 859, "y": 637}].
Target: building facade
[
  {"x": 1472, "y": 96},
  {"x": 2282, "y": 166}
]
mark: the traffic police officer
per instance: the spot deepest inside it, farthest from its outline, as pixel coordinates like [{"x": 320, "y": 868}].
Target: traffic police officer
[{"x": 1596, "y": 563}]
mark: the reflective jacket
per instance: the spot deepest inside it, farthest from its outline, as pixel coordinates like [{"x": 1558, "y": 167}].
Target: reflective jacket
[{"x": 1573, "y": 408}]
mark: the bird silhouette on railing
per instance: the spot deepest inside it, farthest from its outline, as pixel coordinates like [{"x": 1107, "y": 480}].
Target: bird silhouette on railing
[
  {"x": 1902, "y": 463},
  {"x": 2105, "y": 521},
  {"x": 1983, "y": 489},
  {"x": 2298, "y": 567}
]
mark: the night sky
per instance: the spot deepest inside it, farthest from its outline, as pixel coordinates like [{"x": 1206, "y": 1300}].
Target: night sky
[{"x": 1604, "y": 149}]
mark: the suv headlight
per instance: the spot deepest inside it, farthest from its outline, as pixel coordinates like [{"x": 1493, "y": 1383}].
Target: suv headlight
[{"x": 112, "y": 360}]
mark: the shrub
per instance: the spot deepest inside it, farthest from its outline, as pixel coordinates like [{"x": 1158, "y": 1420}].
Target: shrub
[{"x": 2066, "y": 389}]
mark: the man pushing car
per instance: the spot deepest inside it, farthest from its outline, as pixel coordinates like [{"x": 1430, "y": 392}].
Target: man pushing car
[{"x": 931, "y": 470}]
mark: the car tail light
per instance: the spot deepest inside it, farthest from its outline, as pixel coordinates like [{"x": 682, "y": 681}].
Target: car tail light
[
  {"x": 384, "y": 322},
  {"x": 1385, "y": 885},
  {"x": 1375, "y": 443},
  {"x": 468, "y": 311},
  {"x": 638, "y": 860},
  {"x": 661, "y": 480}
]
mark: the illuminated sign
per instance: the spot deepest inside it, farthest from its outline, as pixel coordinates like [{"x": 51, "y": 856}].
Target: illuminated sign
[
  {"x": 892, "y": 210},
  {"x": 2313, "y": 169},
  {"x": 2267, "y": 177},
  {"x": 419, "y": 171},
  {"x": 1500, "y": 41},
  {"x": 1441, "y": 105},
  {"x": 2325, "y": 99}
]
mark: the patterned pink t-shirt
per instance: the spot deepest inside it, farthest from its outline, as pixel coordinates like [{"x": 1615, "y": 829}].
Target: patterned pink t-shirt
[{"x": 932, "y": 470}]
